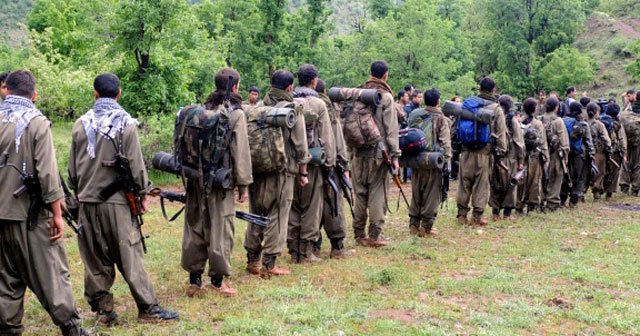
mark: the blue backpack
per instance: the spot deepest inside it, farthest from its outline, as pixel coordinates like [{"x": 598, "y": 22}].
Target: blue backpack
[
  {"x": 575, "y": 142},
  {"x": 607, "y": 120},
  {"x": 473, "y": 134}
]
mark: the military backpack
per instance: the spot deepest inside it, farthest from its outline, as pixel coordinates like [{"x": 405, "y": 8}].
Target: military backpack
[{"x": 266, "y": 138}]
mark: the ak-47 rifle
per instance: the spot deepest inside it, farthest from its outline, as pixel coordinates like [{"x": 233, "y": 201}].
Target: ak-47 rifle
[
  {"x": 31, "y": 185},
  {"x": 171, "y": 196},
  {"x": 446, "y": 176},
  {"x": 565, "y": 170},
  {"x": 70, "y": 209},
  {"x": 345, "y": 182},
  {"x": 125, "y": 182},
  {"x": 392, "y": 170},
  {"x": 329, "y": 176}
]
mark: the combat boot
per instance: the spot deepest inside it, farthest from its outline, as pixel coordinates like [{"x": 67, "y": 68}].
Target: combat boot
[
  {"x": 156, "y": 314},
  {"x": 108, "y": 318},
  {"x": 414, "y": 230},
  {"x": 253, "y": 267},
  {"x": 308, "y": 256},
  {"x": 195, "y": 285},
  {"x": 462, "y": 220},
  {"x": 338, "y": 251},
  {"x": 479, "y": 221},
  {"x": 378, "y": 242},
  {"x": 363, "y": 241}
]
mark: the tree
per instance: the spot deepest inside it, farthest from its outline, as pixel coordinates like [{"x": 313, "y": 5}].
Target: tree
[{"x": 566, "y": 67}]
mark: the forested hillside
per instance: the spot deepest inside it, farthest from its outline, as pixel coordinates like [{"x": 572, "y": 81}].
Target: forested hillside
[{"x": 166, "y": 51}]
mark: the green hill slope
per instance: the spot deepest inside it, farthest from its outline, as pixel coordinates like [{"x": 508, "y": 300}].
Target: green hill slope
[
  {"x": 13, "y": 14},
  {"x": 605, "y": 39}
]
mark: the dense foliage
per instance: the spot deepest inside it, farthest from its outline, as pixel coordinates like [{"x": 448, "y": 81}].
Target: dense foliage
[{"x": 167, "y": 51}]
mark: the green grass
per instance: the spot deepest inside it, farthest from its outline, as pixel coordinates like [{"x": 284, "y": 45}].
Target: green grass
[{"x": 499, "y": 280}]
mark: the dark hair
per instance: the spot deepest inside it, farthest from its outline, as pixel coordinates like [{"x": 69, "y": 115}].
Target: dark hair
[
  {"x": 379, "y": 68},
  {"x": 613, "y": 110},
  {"x": 254, "y": 89},
  {"x": 320, "y": 87},
  {"x": 592, "y": 109},
  {"x": 401, "y": 94},
  {"x": 431, "y": 97},
  {"x": 306, "y": 74},
  {"x": 487, "y": 84},
  {"x": 631, "y": 91},
  {"x": 415, "y": 93},
  {"x": 529, "y": 106},
  {"x": 4, "y": 75},
  {"x": 584, "y": 101},
  {"x": 455, "y": 97},
  {"x": 408, "y": 87},
  {"x": 222, "y": 77},
  {"x": 569, "y": 90},
  {"x": 575, "y": 109},
  {"x": 107, "y": 85},
  {"x": 638, "y": 95},
  {"x": 551, "y": 104},
  {"x": 506, "y": 102},
  {"x": 542, "y": 92},
  {"x": 281, "y": 79},
  {"x": 21, "y": 83}
]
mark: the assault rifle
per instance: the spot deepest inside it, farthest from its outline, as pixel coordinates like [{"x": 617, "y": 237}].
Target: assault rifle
[
  {"x": 446, "y": 176},
  {"x": 125, "y": 182},
  {"x": 31, "y": 185},
  {"x": 345, "y": 182},
  {"x": 254, "y": 219},
  {"x": 392, "y": 170},
  {"x": 331, "y": 188},
  {"x": 70, "y": 208},
  {"x": 565, "y": 170}
]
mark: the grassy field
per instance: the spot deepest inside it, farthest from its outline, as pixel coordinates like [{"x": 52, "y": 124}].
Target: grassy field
[{"x": 571, "y": 272}]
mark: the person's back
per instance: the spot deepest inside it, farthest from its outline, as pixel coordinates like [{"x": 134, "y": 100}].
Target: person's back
[
  {"x": 370, "y": 173},
  {"x": 31, "y": 225},
  {"x": 536, "y": 157}
]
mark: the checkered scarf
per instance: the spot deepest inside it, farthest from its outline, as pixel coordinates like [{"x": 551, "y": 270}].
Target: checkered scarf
[
  {"x": 19, "y": 111},
  {"x": 107, "y": 118}
]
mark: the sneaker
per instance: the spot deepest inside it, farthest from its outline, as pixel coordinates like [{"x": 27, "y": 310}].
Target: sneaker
[
  {"x": 341, "y": 253},
  {"x": 108, "y": 319},
  {"x": 195, "y": 291},
  {"x": 253, "y": 267},
  {"x": 310, "y": 258},
  {"x": 380, "y": 242},
  {"x": 157, "y": 314},
  {"x": 225, "y": 290}
]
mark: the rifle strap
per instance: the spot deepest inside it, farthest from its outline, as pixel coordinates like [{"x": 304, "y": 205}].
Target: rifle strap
[{"x": 164, "y": 212}]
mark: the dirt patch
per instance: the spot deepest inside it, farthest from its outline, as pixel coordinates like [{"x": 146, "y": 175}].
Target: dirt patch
[
  {"x": 462, "y": 275},
  {"x": 627, "y": 30},
  {"x": 560, "y": 302},
  {"x": 401, "y": 315}
]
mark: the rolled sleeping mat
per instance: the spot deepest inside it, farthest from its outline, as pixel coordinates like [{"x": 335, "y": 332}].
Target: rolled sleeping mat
[
  {"x": 424, "y": 160},
  {"x": 368, "y": 96},
  {"x": 282, "y": 117},
  {"x": 318, "y": 156},
  {"x": 484, "y": 116},
  {"x": 168, "y": 163}
]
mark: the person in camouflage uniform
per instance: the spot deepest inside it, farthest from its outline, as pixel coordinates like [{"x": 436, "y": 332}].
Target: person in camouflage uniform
[
  {"x": 536, "y": 158},
  {"x": 370, "y": 172},
  {"x": 334, "y": 226},
  {"x": 579, "y": 158},
  {"x": 558, "y": 144},
  {"x": 272, "y": 194},
  {"x": 602, "y": 144},
  {"x": 619, "y": 150},
  {"x": 32, "y": 253},
  {"x": 209, "y": 218},
  {"x": 475, "y": 165},
  {"x": 631, "y": 122},
  {"x": 307, "y": 206},
  {"x": 426, "y": 187},
  {"x": 504, "y": 194}
]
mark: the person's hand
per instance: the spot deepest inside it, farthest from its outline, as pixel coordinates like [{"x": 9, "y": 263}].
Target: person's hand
[
  {"x": 304, "y": 180},
  {"x": 56, "y": 228},
  {"x": 243, "y": 197},
  {"x": 145, "y": 204},
  {"x": 347, "y": 175},
  {"x": 396, "y": 166},
  {"x": 521, "y": 166}
]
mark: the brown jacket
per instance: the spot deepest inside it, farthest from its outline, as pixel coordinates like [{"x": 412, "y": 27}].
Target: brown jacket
[
  {"x": 600, "y": 136},
  {"x": 334, "y": 117},
  {"x": 323, "y": 130},
  {"x": 544, "y": 149},
  {"x": 36, "y": 155},
  {"x": 559, "y": 140}
]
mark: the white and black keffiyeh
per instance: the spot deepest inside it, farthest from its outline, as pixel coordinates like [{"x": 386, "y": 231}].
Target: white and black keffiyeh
[
  {"x": 107, "y": 118},
  {"x": 19, "y": 111}
]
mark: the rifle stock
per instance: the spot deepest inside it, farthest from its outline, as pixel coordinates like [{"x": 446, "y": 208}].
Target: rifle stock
[{"x": 392, "y": 170}]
